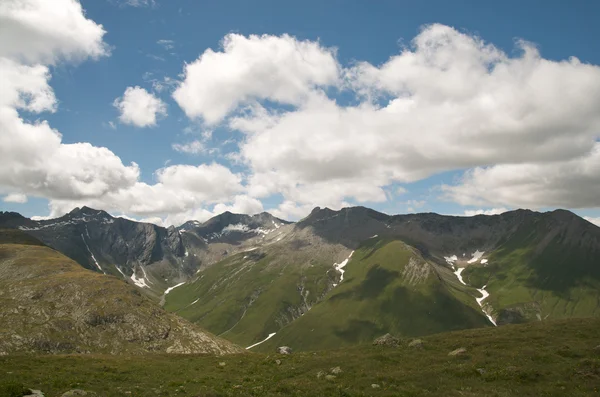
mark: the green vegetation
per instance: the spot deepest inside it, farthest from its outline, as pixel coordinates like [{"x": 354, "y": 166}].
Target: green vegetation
[
  {"x": 388, "y": 287},
  {"x": 538, "y": 359},
  {"x": 532, "y": 279},
  {"x": 248, "y": 296}
]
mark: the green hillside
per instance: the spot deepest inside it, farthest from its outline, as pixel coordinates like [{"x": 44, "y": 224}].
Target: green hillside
[
  {"x": 534, "y": 276},
  {"x": 559, "y": 358},
  {"x": 388, "y": 287},
  {"x": 254, "y": 293}
]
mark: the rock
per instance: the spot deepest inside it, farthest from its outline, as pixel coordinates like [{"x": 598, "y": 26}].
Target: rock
[
  {"x": 597, "y": 348},
  {"x": 278, "y": 362},
  {"x": 386, "y": 340},
  {"x": 375, "y": 386},
  {"x": 320, "y": 374},
  {"x": 416, "y": 344},
  {"x": 34, "y": 393},
  {"x": 77, "y": 392},
  {"x": 330, "y": 377},
  {"x": 481, "y": 371},
  {"x": 336, "y": 370},
  {"x": 458, "y": 352},
  {"x": 222, "y": 364},
  {"x": 284, "y": 350}
]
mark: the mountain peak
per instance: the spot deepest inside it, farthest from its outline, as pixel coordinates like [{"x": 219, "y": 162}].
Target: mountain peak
[{"x": 86, "y": 211}]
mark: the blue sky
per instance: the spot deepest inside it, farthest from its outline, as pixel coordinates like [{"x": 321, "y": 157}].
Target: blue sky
[{"x": 148, "y": 43}]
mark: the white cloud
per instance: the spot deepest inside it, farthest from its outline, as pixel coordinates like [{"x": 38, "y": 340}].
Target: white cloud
[
  {"x": 568, "y": 184},
  {"x": 15, "y": 198},
  {"x": 279, "y": 68},
  {"x": 448, "y": 102},
  {"x": 491, "y": 211},
  {"x": 181, "y": 190},
  {"x": 241, "y": 204},
  {"x": 140, "y": 108},
  {"x": 595, "y": 221},
  {"x": 193, "y": 147},
  {"x": 47, "y": 31},
  {"x": 292, "y": 211},
  {"x": 34, "y": 159}
]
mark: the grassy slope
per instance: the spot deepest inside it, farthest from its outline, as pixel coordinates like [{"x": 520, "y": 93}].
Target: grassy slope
[
  {"x": 527, "y": 278},
  {"x": 49, "y": 303},
  {"x": 538, "y": 359},
  {"x": 252, "y": 294},
  {"x": 376, "y": 297}
]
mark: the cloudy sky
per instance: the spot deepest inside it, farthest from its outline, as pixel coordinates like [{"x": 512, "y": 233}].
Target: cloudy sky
[{"x": 175, "y": 110}]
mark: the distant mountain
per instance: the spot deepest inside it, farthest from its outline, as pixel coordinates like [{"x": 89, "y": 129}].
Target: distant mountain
[
  {"x": 247, "y": 277},
  {"x": 50, "y": 304},
  {"x": 533, "y": 266},
  {"x": 149, "y": 256}
]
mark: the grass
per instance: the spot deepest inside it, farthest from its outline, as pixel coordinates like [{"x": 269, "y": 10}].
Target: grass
[
  {"x": 377, "y": 296},
  {"x": 537, "y": 359},
  {"x": 250, "y": 294},
  {"x": 534, "y": 279}
]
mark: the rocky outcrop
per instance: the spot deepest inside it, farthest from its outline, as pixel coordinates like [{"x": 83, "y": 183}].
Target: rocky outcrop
[{"x": 386, "y": 340}]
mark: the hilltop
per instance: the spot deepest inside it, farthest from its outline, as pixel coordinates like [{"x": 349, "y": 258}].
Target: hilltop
[{"x": 50, "y": 304}]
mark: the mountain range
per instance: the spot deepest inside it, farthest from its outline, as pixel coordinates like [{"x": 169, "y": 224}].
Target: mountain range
[{"x": 338, "y": 278}]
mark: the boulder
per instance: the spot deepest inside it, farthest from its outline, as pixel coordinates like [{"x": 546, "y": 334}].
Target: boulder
[
  {"x": 34, "y": 393},
  {"x": 284, "y": 350},
  {"x": 336, "y": 370},
  {"x": 387, "y": 340},
  {"x": 416, "y": 344}
]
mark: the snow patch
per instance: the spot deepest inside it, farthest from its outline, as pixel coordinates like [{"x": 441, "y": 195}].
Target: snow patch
[
  {"x": 484, "y": 295},
  {"x": 238, "y": 227},
  {"x": 90, "y": 251},
  {"x": 451, "y": 259},
  {"x": 484, "y": 261},
  {"x": 140, "y": 282},
  {"x": 276, "y": 225},
  {"x": 340, "y": 267},
  {"x": 173, "y": 287},
  {"x": 120, "y": 271},
  {"x": 196, "y": 301},
  {"x": 476, "y": 256},
  {"x": 458, "y": 275},
  {"x": 374, "y": 236},
  {"x": 262, "y": 341}
]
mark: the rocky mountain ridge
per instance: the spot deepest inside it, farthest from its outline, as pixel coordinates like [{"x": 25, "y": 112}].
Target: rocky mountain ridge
[{"x": 152, "y": 257}]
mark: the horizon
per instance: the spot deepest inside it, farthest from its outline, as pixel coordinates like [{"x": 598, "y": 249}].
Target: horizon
[
  {"x": 169, "y": 111},
  {"x": 35, "y": 218}
]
